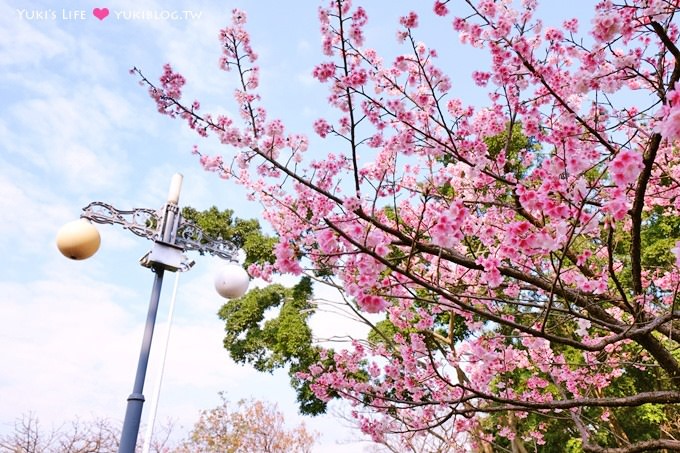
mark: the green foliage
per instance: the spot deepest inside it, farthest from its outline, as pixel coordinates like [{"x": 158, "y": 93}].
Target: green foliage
[
  {"x": 268, "y": 344},
  {"x": 267, "y": 328},
  {"x": 573, "y": 445},
  {"x": 457, "y": 329},
  {"x": 383, "y": 329},
  {"x": 245, "y": 234},
  {"x": 661, "y": 232},
  {"x": 513, "y": 143}
]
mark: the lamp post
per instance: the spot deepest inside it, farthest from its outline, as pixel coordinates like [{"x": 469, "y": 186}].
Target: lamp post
[{"x": 172, "y": 236}]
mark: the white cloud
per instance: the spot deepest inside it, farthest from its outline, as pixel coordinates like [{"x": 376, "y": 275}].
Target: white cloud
[
  {"x": 32, "y": 212},
  {"x": 61, "y": 333},
  {"x": 304, "y": 46},
  {"x": 74, "y": 350},
  {"x": 306, "y": 78},
  {"x": 73, "y": 134},
  {"x": 28, "y": 42}
]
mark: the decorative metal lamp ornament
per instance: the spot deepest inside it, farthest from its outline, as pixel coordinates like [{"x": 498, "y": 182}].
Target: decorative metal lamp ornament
[{"x": 172, "y": 236}]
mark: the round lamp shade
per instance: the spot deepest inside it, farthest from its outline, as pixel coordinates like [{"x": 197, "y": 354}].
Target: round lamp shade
[
  {"x": 231, "y": 281},
  {"x": 78, "y": 240}
]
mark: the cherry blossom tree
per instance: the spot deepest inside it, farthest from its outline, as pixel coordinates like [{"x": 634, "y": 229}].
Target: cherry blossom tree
[
  {"x": 508, "y": 245},
  {"x": 249, "y": 426}
]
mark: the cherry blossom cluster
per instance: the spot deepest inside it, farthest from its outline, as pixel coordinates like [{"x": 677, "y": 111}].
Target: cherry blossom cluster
[{"x": 502, "y": 243}]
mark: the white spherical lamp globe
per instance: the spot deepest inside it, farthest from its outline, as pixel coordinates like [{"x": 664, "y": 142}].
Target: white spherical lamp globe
[
  {"x": 78, "y": 240},
  {"x": 231, "y": 281}
]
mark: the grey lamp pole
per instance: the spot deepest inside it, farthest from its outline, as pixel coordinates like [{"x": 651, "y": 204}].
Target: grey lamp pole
[
  {"x": 135, "y": 402},
  {"x": 171, "y": 235}
]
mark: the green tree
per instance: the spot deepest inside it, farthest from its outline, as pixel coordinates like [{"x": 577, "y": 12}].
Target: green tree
[
  {"x": 247, "y": 235},
  {"x": 282, "y": 340}
]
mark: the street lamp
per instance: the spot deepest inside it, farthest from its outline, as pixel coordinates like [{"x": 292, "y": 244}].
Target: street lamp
[{"x": 172, "y": 236}]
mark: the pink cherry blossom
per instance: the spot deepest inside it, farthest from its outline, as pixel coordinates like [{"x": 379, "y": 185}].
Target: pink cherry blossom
[
  {"x": 676, "y": 252},
  {"x": 409, "y": 21},
  {"x": 372, "y": 304},
  {"x": 502, "y": 243},
  {"x": 670, "y": 126},
  {"x": 626, "y": 167},
  {"x": 440, "y": 8}
]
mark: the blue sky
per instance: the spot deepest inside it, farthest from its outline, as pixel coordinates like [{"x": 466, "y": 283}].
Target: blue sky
[{"x": 76, "y": 127}]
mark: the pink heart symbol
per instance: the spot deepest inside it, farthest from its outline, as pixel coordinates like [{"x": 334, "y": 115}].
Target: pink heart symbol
[{"x": 100, "y": 13}]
